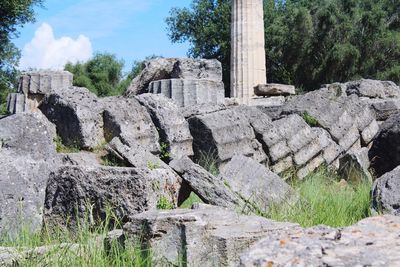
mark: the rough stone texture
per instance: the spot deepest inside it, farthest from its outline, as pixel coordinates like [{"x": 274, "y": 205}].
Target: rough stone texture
[
  {"x": 204, "y": 69},
  {"x": 256, "y": 184},
  {"x": 77, "y": 115},
  {"x": 42, "y": 82},
  {"x": 174, "y": 68},
  {"x": 127, "y": 119},
  {"x": 354, "y": 166},
  {"x": 202, "y": 109},
  {"x": 385, "y": 151},
  {"x": 223, "y": 134},
  {"x": 134, "y": 156},
  {"x": 273, "y": 101},
  {"x": 343, "y": 117},
  {"x": 209, "y": 188},
  {"x": 15, "y": 103},
  {"x": 173, "y": 128},
  {"x": 204, "y": 236},
  {"x": 274, "y": 89},
  {"x": 81, "y": 158},
  {"x": 185, "y": 92},
  {"x": 386, "y": 193},
  {"x": 248, "y": 67},
  {"x": 27, "y": 155},
  {"x": 371, "y": 242},
  {"x": 71, "y": 190},
  {"x": 373, "y": 89},
  {"x": 385, "y": 108}
]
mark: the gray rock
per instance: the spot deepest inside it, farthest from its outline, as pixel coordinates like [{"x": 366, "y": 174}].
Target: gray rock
[
  {"x": 127, "y": 119},
  {"x": 386, "y": 193},
  {"x": 27, "y": 156},
  {"x": 384, "y": 153},
  {"x": 273, "y": 101},
  {"x": 256, "y": 184},
  {"x": 274, "y": 89},
  {"x": 353, "y": 166},
  {"x": 192, "y": 69},
  {"x": 204, "y": 236},
  {"x": 185, "y": 92},
  {"x": 373, "y": 89},
  {"x": 174, "y": 68},
  {"x": 385, "y": 108},
  {"x": 343, "y": 117},
  {"x": 78, "y": 194},
  {"x": 202, "y": 109},
  {"x": 210, "y": 189},
  {"x": 82, "y": 158},
  {"x": 134, "y": 156},
  {"x": 173, "y": 128},
  {"x": 42, "y": 82},
  {"x": 224, "y": 134},
  {"x": 15, "y": 103},
  {"x": 77, "y": 115},
  {"x": 371, "y": 242}
]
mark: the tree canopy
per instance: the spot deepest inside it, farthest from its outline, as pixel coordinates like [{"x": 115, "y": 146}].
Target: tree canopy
[
  {"x": 13, "y": 14},
  {"x": 308, "y": 42}
]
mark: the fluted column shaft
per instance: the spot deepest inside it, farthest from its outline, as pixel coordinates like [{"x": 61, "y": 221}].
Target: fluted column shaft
[{"x": 247, "y": 48}]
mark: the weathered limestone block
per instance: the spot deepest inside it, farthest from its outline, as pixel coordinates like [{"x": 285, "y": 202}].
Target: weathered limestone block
[
  {"x": 73, "y": 190},
  {"x": 373, "y": 89},
  {"x": 256, "y": 184},
  {"x": 386, "y": 193},
  {"x": 384, "y": 154},
  {"x": 224, "y": 134},
  {"x": 384, "y": 108},
  {"x": 209, "y": 188},
  {"x": 82, "y": 158},
  {"x": 274, "y": 89},
  {"x": 15, "y": 103},
  {"x": 77, "y": 115},
  {"x": 127, "y": 119},
  {"x": 174, "y": 68},
  {"x": 273, "y": 101},
  {"x": 204, "y": 236},
  {"x": 27, "y": 156},
  {"x": 134, "y": 156},
  {"x": 192, "y": 69},
  {"x": 187, "y": 92},
  {"x": 342, "y": 117},
  {"x": 173, "y": 128},
  {"x": 42, "y": 82},
  {"x": 371, "y": 242}
]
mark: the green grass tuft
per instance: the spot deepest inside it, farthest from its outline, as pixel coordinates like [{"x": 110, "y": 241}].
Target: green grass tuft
[
  {"x": 209, "y": 162},
  {"x": 325, "y": 200},
  {"x": 310, "y": 120},
  {"x": 61, "y": 148}
]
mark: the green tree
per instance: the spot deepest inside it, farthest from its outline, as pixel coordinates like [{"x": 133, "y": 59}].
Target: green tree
[
  {"x": 13, "y": 14},
  {"x": 308, "y": 42},
  {"x": 102, "y": 74}
]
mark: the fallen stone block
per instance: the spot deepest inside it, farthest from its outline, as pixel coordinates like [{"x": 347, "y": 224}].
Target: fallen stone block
[
  {"x": 255, "y": 184},
  {"x": 373, "y": 89},
  {"x": 77, "y": 115},
  {"x": 386, "y": 193},
  {"x": 173, "y": 128},
  {"x": 80, "y": 195},
  {"x": 128, "y": 120},
  {"x": 203, "y": 236},
  {"x": 371, "y": 242},
  {"x": 353, "y": 166},
  {"x": 274, "y": 89},
  {"x": 209, "y": 188}
]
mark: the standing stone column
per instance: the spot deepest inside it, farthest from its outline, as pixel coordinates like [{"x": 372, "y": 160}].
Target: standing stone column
[{"x": 248, "y": 48}]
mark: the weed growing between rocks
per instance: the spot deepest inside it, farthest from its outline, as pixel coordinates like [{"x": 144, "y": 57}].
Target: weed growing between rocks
[
  {"x": 208, "y": 160},
  {"x": 192, "y": 199},
  {"x": 325, "y": 199},
  {"x": 310, "y": 120}
]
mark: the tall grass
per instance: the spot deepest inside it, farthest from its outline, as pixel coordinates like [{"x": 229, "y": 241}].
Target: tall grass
[
  {"x": 325, "y": 200},
  {"x": 83, "y": 247}
]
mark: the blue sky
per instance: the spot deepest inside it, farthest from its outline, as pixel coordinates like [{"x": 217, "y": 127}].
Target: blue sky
[{"x": 73, "y": 29}]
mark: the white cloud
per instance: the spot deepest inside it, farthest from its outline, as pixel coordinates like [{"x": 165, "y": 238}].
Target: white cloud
[{"x": 44, "y": 51}]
